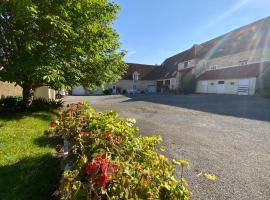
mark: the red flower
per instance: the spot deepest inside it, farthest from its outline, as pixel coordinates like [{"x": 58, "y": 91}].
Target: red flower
[
  {"x": 85, "y": 134},
  {"x": 52, "y": 124},
  {"x": 104, "y": 167},
  {"x": 91, "y": 168},
  {"x": 103, "y": 180},
  {"x": 69, "y": 110}
]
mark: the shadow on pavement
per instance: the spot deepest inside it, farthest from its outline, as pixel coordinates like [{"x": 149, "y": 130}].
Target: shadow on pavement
[{"x": 249, "y": 107}]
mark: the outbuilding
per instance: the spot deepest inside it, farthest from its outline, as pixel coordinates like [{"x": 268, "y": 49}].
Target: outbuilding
[{"x": 240, "y": 80}]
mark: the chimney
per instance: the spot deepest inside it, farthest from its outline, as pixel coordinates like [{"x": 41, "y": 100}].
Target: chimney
[{"x": 195, "y": 49}]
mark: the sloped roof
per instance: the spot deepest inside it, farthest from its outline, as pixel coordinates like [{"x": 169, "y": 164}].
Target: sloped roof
[
  {"x": 249, "y": 37},
  {"x": 247, "y": 71},
  {"x": 145, "y": 71},
  {"x": 169, "y": 67}
]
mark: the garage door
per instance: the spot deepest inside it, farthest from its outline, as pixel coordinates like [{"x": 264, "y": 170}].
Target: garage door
[
  {"x": 78, "y": 91},
  {"x": 221, "y": 87},
  {"x": 243, "y": 87},
  {"x": 204, "y": 86}
]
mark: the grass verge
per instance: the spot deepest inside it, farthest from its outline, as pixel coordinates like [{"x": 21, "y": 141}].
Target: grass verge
[{"x": 28, "y": 169}]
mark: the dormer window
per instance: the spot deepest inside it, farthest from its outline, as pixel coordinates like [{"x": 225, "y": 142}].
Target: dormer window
[
  {"x": 136, "y": 76},
  {"x": 243, "y": 62}
]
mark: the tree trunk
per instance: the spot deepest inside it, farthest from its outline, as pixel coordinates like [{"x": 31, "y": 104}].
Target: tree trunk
[{"x": 28, "y": 95}]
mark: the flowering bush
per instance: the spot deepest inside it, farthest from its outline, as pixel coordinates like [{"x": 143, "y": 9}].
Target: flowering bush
[{"x": 107, "y": 161}]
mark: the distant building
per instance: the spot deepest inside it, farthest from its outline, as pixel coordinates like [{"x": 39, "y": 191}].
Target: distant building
[{"x": 230, "y": 64}]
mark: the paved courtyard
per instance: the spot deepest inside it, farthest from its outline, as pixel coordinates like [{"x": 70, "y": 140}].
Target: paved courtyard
[{"x": 222, "y": 134}]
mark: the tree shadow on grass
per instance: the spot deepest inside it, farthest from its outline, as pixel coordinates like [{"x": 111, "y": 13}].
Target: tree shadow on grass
[
  {"x": 43, "y": 115},
  {"x": 30, "y": 178},
  {"x": 46, "y": 141}
]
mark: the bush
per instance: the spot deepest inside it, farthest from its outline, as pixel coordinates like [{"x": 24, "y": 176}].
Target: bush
[
  {"x": 107, "y": 161},
  {"x": 15, "y": 104},
  {"x": 108, "y": 91},
  {"x": 10, "y": 104},
  {"x": 41, "y": 104}
]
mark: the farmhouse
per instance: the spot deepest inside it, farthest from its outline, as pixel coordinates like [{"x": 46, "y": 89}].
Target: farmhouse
[{"x": 233, "y": 63}]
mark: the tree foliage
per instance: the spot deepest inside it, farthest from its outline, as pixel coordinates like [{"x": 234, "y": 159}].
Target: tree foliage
[{"x": 59, "y": 43}]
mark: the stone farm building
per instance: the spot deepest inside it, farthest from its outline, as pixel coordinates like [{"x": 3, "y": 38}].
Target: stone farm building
[{"x": 230, "y": 64}]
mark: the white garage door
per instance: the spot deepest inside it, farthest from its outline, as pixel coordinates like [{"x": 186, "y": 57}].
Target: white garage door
[
  {"x": 243, "y": 87},
  {"x": 204, "y": 86},
  {"x": 78, "y": 91},
  {"x": 221, "y": 87}
]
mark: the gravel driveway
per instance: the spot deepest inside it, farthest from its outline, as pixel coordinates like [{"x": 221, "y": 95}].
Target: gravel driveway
[{"x": 222, "y": 134}]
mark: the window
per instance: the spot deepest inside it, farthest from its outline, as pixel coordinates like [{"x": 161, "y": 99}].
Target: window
[
  {"x": 213, "y": 67},
  {"x": 167, "y": 74},
  {"x": 232, "y": 83},
  {"x": 221, "y": 82},
  {"x": 167, "y": 82},
  {"x": 243, "y": 62},
  {"x": 135, "y": 76},
  {"x": 212, "y": 83},
  {"x": 185, "y": 64}
]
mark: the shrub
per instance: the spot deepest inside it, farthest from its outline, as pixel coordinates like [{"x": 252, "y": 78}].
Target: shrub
[
  {"x": 107, "y": 161},
  {"x": 41, "y": 104},
  {"x": 14, "y": 104},
  {"x": 108, "y": 91},
  {"x": 11, "y": 104}
]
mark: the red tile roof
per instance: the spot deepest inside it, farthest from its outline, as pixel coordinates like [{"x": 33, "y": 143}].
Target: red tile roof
[{"x": 239, "y": 72}]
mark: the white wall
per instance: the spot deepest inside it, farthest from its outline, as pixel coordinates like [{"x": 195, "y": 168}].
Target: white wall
[
  {"x": 231, "y": 86},
  {"x": 141, "y": 85},
  {"x": 44, "y": 92}
]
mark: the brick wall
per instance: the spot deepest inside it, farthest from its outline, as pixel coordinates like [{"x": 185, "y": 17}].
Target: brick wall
[{"x": 9, "y": 89}]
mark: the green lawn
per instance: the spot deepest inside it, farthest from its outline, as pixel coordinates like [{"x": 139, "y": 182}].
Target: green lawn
[{"x": 28, "y": 170}]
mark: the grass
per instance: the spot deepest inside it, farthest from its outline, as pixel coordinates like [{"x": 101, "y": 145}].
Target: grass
[{"x": 28, "y": 170}]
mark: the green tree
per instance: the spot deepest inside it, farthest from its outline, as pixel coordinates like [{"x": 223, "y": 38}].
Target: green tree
[{"x": 59, "y": 43}]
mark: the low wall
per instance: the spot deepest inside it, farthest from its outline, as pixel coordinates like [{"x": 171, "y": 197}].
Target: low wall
[{"x": 9, "y": 89}]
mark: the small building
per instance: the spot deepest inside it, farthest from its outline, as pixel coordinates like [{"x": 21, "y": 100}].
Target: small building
[
  {"x": 44, "y": 92},
  {"x": 233, "y": 80},
  {"x": 138, "y": 79}
]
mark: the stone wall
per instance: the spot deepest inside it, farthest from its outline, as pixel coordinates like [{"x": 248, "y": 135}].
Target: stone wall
[{"x": 9, "y": 89}]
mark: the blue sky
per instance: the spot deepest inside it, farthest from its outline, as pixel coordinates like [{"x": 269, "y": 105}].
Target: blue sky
[{"x": 153, "y": 30}]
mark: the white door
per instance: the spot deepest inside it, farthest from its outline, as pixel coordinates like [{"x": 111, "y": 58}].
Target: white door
[
  {"x": 221, "y": 87},
  {"x": 243, "y": 87},
  {"x": 204, "y": 86}
]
